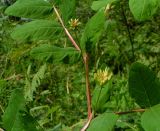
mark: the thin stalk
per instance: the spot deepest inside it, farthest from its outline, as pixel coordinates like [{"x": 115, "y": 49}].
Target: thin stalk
[
  {"x": 87, "y": 124},
  {"x": 75, "y": 32},
  {"x": 98, "y": 97},
  {"x": 85, "y": 59},
  {"x": 128, "y": 30},
  {"x": 66, "y": 31},
  {"x": 132, "y": 111},
  {"x": 88, "y": 93}
]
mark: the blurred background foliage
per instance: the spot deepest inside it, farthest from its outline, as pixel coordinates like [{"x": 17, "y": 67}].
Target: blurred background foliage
[{"x": 60, "y": 99}]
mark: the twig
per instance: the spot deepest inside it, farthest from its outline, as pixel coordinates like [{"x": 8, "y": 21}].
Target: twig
[
  {"x": 132, "y": 111},
  {"x": 66, "y": 31}
]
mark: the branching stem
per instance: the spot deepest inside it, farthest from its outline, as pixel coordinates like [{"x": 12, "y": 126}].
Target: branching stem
[
  {"x": 66, "y": 31},
  {"x": 85, "y": 59}
]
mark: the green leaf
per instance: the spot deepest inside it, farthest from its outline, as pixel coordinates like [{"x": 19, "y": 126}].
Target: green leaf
[
  {"x": 100, "y": 96},
  {"x": 144, "y": 87},
  {"x": 143, "y": 9},
  {"x": 151, "y": 118},
  {"x": 38, "y": 76},
  {"x": 11, "y": 117},
  {"x": 47, "y": 51},
  {"x": 31, "y": 86},
  {"x": 30, "y": 9},
  {"x": 37, "y": 30},
  {"x": 104, "y": 122},
  {"x": 93, "y": 31},
  {"x": 68, "y": 9},
  {"x": 96, "y": 5}
]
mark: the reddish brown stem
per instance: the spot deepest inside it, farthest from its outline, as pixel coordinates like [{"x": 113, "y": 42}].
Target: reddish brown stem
[
  {"x": 132, "y": 111},
  {"x": 66, "y": 31},
  {"x": 85, "y": 59},
  {"x": 88, "y": 93},
  {"x": 87, "y": 123}
]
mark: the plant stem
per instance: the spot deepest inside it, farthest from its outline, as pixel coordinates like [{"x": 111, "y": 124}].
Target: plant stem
[
  {"x": 128, "y": 30},
  {"x": 132, "y": 111},
  {"x": 88, "y": 93},
  {"x": 98, "y": 97},
  {"x": 85, "y": 59},
  {"x": 87, "y": 124},
  {"x": 66, "y": 31}
]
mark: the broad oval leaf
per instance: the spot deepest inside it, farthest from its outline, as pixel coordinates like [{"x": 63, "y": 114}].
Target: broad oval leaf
[
  {"x": 144, "y": 87},
  {"x": 151, "y": 118},
  {"x": 143, "y": 9},
  {"x": 47, "y": 51},
  {"x": 96, "y": 5},
  {"x": 103, "y": 122},
  {"x": 93, "y": 30},
  {"x": 30, "y": 9},
  {"x": 37, "y": 30},
  {"x": 11, "y": 117}
]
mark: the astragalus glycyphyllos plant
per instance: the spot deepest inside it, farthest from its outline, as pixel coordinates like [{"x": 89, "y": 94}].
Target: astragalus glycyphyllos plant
[{"x": 47, "y": 22}]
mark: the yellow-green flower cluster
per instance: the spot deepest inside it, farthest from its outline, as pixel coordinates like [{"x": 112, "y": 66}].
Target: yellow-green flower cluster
[
  {"x": 74, "y": 23},
  {"x": 103, "y": 75}
]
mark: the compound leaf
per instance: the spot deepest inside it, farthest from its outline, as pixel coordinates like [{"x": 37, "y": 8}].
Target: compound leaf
[
  {"x": 47, "y": 51},
  {"x": 37, "y": 30},
  {"x": 30, "y": 86},
  {"x": 30, "y": 9}
]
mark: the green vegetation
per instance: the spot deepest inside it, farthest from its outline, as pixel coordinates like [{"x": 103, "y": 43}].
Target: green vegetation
[{"x": 68, "y": 65}]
